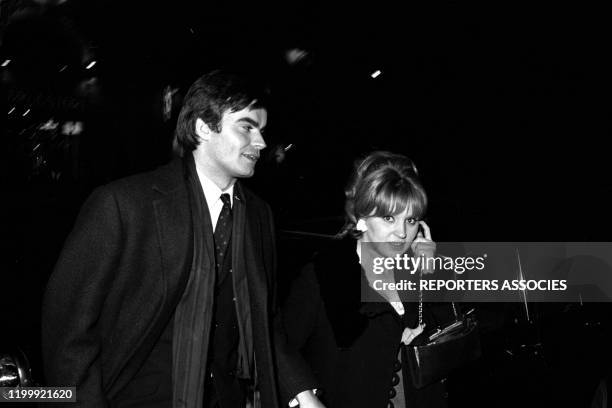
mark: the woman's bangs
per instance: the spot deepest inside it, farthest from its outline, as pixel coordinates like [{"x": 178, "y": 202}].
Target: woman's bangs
[{"x": 392, "y": 200}]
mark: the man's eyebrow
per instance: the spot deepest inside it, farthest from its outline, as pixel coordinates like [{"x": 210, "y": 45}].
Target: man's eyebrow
[{"x": 249, "y": 121}]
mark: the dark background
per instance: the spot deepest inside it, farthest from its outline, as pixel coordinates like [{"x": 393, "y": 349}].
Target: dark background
[{"x": 504, "y": 107}]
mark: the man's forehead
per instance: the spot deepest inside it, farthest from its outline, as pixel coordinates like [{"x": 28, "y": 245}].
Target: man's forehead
[{"x": 258, "y": 115}]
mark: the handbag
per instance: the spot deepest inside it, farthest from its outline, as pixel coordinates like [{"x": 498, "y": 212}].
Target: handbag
[{"x": 445, "y": 350}]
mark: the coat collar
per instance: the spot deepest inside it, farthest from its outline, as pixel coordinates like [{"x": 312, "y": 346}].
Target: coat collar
[{"x": 170, "y": 177}]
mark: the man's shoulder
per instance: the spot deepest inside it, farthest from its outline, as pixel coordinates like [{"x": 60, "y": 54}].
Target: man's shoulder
[
  {"x": 166, "y": 178},
  {"x": 142, "y": 188},
  {"x": 253, "y": 199}
]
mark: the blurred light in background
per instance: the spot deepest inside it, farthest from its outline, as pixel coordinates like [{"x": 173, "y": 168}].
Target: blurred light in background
[
  {"x": 49, "y": 125},
  {"x": 295, "y": 55},
  {"x": 72, "y": 128}
]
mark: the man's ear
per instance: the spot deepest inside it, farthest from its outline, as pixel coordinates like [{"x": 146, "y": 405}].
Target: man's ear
[{"x": 202, "y": 129}]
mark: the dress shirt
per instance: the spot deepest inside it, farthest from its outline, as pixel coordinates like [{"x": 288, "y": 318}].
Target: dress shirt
[{"x": 212, "y": 193}]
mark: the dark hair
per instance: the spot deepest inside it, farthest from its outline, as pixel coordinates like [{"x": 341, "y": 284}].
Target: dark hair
[
  {"x": 383, "y": 183},
  {"x": 208, "y": 98}
]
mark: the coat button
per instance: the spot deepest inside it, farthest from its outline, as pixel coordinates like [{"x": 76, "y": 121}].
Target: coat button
[{"x": 395, "y": 380}]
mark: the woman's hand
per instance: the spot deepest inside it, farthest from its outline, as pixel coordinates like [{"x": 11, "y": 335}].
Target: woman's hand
[
  {"x": 308, "y": 399},
  {"x": 410, "y": 334},
  {"x": 423, "y": 247}
]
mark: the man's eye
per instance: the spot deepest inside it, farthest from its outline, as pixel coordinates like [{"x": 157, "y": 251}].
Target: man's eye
[
  {"x": 388, "y": 218},
  {"x": 247, "y": 128}
]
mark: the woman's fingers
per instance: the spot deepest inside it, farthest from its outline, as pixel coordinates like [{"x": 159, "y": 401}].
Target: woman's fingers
[
  {"x": 410, "y": 334},
  {"x": 426, "y": 231}
]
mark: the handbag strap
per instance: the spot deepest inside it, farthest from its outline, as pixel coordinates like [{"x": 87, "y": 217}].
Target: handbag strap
[
  {"x": 421, "y": 302},
  {"x": 420, "y": 299}
]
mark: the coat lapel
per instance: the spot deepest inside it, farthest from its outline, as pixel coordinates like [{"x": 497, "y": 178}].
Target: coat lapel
[
  {"x": 247, "y": 245},
  {"x": 172, "y": 219},
  {"x": 255, "y": 281},
  {"x": 242, "y": 270},
  {"x": 175, "y": 231}
]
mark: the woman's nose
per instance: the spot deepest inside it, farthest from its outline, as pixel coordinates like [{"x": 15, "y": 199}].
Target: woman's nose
[{"x": 401, "y": 231}]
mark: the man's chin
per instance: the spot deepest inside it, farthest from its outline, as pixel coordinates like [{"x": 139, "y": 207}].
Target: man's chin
[{"x": 245, "y": 172}]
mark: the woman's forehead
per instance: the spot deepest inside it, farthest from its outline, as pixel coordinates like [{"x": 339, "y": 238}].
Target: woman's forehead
[
  {"x": 404, "y": 208},
  {"x": 398, "y": 207}
]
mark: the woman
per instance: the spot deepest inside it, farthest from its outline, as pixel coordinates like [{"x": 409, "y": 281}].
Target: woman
[{"x": 353, "y": 346}]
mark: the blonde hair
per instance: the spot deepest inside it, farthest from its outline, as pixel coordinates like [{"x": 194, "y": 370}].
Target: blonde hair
[{"x": 383, "y": 183}]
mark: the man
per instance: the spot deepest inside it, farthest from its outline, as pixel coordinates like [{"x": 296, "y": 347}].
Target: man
[{"x": 163, "y": 295}]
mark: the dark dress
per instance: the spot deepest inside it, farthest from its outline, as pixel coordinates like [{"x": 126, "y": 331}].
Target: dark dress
[{"x": 353, "y": 347}]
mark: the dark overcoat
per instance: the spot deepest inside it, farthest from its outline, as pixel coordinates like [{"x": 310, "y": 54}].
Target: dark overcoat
[
  {"x": 123, "y": 270},
  {"x": 352, "y": 346}
]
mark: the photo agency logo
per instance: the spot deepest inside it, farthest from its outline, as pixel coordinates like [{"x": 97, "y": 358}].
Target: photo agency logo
[
  {"x": 412, "y": 264},
  {"x": 489, "y": 272}
]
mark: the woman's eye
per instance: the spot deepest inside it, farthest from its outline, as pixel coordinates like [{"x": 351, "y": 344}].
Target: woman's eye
[
  {"x": 388, "y": 218},
  {"x": 412, "y": 221}
]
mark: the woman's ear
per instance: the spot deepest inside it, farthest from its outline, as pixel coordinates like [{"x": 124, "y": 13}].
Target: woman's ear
[{"x": 361, "y": 225}]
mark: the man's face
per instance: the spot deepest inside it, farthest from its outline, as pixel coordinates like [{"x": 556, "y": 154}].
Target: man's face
[{"x": 234, "y": 150}]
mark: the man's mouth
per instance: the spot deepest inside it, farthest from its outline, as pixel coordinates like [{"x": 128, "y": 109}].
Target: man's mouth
[{"x": 252, "y": 157}]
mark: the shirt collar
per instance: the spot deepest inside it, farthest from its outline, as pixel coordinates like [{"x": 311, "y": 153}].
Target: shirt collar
[{"x": 212, "y": 192}]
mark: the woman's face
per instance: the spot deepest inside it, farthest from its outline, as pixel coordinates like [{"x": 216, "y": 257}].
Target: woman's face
[{"x": 394, "y": 232}]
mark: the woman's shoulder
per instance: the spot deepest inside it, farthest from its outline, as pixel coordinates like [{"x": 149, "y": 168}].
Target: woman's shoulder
[
  {"x": 337, "y": 273},
  {"x": 338, "y": 254},
  {"x": 335, "y": 264}
]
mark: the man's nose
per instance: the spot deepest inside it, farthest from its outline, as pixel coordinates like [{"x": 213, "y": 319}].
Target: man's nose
[{"x": 258, "y": 141}]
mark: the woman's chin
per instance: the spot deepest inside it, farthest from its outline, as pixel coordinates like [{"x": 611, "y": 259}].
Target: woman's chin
[{"x": 391, "y": 249}]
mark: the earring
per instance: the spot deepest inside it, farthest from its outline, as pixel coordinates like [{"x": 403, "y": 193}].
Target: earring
[{"x": 361, "y": 225}]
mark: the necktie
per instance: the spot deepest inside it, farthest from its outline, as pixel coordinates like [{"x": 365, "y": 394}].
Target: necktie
[{"x": 223, "y": 231}]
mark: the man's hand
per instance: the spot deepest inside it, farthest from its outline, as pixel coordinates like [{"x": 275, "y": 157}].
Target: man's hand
[
  {"x": 424, "y": 247},
  {"x": 308, "y": 399}
]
